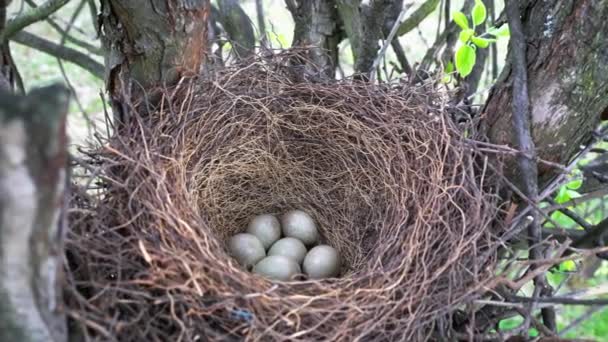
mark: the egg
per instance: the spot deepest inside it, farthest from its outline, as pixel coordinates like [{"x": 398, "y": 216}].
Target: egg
[
  {"x": 322, "y": 262},
  {"x": 277, "y": 267},
  {"x": 266, "y": 228},
  {"x": 300, "y": 225},
  {"x": 289, "y": 247},
  {"x": 246, "y": 249}
]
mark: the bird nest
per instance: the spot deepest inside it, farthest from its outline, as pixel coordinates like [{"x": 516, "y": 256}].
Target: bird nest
[{"x": 381, "y": 168}]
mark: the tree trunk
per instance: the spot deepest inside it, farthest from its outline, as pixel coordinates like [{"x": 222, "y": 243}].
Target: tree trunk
[
  {"x": 151, "y": 43},
  {"x": 567, "y": 79},
  {"x": 32, "y": 178},
  {"x": 316, "y": 26}
]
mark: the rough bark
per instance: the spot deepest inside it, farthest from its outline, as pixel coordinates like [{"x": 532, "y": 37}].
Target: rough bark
[
  {"x": 316, "y": 26},
  {"x": 32, "y": 178},
  {"x": 372, "y": 24},
  {"x": 567, "y": 53},
  {"x": 151, "y": 43}
]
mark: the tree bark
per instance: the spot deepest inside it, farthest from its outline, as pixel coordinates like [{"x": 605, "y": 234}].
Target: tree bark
[
  {"x": 316, "y": 26},
  {"x": 567, "y": 53},
  {"x": 32, "y": 178},
  {"x": 151, "y": 43}
]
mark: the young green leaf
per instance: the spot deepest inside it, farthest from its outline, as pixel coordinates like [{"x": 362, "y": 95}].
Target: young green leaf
[
  {"x": 482, "y": 42},
  {"x": 449, "y": 68},
  {"x": 575, "y": 184},
  {"x": 461, "y": 20},
  {"x": 573, "y": 194},
  {"x": 465, "y": 35},
  {"x": 502, "y": 31},
  {"x": 562, "y": 195},
  {"x": 479, "y": 13},
  {"x": 465, "y": 60}
]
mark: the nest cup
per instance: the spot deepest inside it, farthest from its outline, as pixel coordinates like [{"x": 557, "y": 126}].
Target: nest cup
[{"x": 381, "y": 169}]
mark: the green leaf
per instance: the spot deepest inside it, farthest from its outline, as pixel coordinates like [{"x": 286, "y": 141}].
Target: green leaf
[
  {"x": 567, "y": 266},
  {"x": 573, "y": 194},
  {"x": 461, "y": 20},
  {"x": 575, "y": 184},
  {"x": 482, "y": 42},
  {"x": 449, "y": 68},
  {"x": 465, "y": 35},
  {"x": 502, "y": 31},
  {"x": 479, "y": 13},
  {"x": 465, "y": 60},
  {"x": 562, "y": 195}
]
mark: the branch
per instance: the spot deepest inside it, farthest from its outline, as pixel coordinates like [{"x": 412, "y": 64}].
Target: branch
[
  {"x": 388, "y": 41},
  {"x": 417, "y": 16},
  {"x": 600, "y": 193},
  {"x": 405, "y": 64},
  {"x": 259, "y": 8},
  {"x": 523, "y": 139},
  {"x": 572, "y": 215},
  {"x": 594, "y": 237},
  {"x": 238, "y": 26},
  {"x": 65, "y": 53},
  {"x": 89, "y": 47},
  {"x": 372, "y": 20},
  {"x": 30, "y": 17}
]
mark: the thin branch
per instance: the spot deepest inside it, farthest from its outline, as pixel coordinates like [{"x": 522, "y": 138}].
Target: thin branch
[
  {"x": 403, "y": 62},
  {"x": 559, "y": 300},
  {"x": 573, "y": 216},
  {"x": 388, "y": 41},
  {"x": 523, "y": 138},
  {"x": 30, "y": 17},
  {"x": 85, "y": 45},
  {"x": 65, "y": 53},
  {"x": 417, "y": 16},
  {"x": 599, "y": 193},
  {"x": 259, "y": 8},
  {"x": 594, "y": 237}
]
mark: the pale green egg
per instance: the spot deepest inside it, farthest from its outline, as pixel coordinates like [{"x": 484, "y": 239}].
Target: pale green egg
[
  {"x": 298, "y": 224},
  {"x": 277, "y": 267},
  {"x": 289, "y": 247},
  {"x": 266, "y": 228},
  {"x": 246, "y": 249},
  {"x": 322, "y": 262}
]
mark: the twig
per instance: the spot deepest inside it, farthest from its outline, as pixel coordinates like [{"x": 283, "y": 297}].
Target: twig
[
  {"x": 572, "y": 215},
  {"x": 65, "y": 53},
  {"x": 89, "y": 47},
  {"x": 523, "y": 138},
  {"x": 403, "y": 62},
  {"x": 599, "y": 193},
  {"x": 388, "y": 41},
  {"x": 30, "y": 17},
  {"x": 69, "y": 26},
  {"x": 417, "y": 17}
]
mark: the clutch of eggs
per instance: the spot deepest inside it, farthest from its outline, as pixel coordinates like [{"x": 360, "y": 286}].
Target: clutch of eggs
[{"x": 263, "y": 249}]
